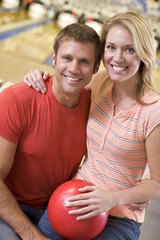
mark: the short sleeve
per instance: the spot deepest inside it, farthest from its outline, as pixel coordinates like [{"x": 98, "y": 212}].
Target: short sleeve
[
  {"x": 11, "y": 115},
  {"x": 151, "y": 118}
]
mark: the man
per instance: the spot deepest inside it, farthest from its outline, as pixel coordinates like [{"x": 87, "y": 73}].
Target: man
[{"x": 42, "y": 137}]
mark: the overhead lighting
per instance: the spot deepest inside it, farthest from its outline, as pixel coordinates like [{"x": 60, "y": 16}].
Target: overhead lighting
[
  {"x": 10, "y": 3},
  {"x": 66, "y": 18}
]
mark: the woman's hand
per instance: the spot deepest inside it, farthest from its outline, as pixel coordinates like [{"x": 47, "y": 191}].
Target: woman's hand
[
  {"x": 35, "y": 79},
  {"x": 92, "y": 201}
]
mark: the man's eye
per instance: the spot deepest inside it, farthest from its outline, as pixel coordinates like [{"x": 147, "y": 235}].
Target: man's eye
[
  {"x": 66, "y": 58},
  {"x": 84, "y": 61}
]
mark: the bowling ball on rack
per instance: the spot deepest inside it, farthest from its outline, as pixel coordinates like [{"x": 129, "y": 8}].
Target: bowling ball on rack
[{"x": 66, "y": 225}]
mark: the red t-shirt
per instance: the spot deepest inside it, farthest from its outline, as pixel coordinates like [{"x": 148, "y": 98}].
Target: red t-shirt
[{"x": 50, "y": 138}]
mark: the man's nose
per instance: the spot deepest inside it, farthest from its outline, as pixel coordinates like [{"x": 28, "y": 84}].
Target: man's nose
[{"x": 74, "y": 67}]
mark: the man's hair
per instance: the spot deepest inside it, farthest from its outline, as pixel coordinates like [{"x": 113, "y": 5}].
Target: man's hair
[{"x": 81, "y": 33}]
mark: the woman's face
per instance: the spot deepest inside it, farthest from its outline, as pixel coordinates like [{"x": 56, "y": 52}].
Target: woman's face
[{"x": 120, "y": 58}]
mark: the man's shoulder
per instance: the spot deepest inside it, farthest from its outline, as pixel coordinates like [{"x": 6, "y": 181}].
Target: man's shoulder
[
  {"x": 19, "y": 91},
  {"x": 16, "y": 88}
]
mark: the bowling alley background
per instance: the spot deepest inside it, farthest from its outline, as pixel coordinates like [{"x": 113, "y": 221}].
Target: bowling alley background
[
  {"x": 28, "y": 29},
  {"x": 27, "y": 32}
]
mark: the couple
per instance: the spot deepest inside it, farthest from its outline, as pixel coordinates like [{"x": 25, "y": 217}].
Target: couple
[{"x": 122, "y": 132}]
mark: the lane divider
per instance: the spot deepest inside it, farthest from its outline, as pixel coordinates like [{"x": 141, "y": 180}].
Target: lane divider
[{"x": 13, "y": 32}]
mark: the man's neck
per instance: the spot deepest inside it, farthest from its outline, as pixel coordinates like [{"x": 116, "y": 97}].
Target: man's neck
[{"x": 66, "y": 99}]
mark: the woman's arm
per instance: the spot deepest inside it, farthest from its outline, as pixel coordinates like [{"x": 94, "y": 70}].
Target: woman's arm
[
  {"x": 97, "y": 200},
  {"x": 36, "y": 78}
]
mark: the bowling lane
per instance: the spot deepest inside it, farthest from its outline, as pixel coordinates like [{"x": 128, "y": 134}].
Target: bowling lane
[
  {"x": 35, "y": 43},
  {"x": 25, "y": 45},
  {"x": 13, "y": 68}
]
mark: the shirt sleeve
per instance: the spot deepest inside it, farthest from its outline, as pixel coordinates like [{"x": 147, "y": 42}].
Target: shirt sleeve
[
  {"x": 11, "y": 115},
  {"x": 152, "y": 118}
]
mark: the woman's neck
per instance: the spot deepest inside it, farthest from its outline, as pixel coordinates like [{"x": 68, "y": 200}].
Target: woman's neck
[{"x": 124, "y": 96}]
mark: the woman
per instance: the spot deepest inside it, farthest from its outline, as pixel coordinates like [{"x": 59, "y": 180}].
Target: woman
[{"x": 123, "y": 130}]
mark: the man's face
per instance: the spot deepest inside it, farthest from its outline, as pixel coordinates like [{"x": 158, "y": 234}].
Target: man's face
[{"x": 74, "y": 66}]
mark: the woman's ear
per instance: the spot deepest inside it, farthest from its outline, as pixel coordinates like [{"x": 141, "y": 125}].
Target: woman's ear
[{"x": 54, "y": 59}]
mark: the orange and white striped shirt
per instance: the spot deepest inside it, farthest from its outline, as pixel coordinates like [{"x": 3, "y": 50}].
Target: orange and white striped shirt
[{"x": 116, "y": 157}]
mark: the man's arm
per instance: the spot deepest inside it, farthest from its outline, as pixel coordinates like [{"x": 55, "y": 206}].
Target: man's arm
[{"x": 10, "y": 212}]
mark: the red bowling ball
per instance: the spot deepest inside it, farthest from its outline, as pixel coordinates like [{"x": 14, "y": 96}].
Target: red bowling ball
[{"x": 66, "y": 225}]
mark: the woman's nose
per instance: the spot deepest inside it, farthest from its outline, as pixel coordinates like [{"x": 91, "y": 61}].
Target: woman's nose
[{"x": 118, "y": 57}]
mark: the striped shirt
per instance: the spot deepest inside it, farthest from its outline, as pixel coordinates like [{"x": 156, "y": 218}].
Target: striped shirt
[{"x": 116, "y": 157}]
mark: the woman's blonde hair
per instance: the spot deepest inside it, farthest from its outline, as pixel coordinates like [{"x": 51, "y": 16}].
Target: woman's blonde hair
[{"x": 144, "y": 44}]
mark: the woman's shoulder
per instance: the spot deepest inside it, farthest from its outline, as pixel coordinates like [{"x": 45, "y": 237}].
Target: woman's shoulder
[
  {"x": 151, "y": 98},
  {"x": 100, "y": 76},
  {"x": 101, "y": 81},
  {"x": 150, "y": 110}
]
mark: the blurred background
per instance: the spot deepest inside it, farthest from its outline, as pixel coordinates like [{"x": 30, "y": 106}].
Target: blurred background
[
  {"x": 27, "y": 32},
  {"x": 28, "y": 29}
]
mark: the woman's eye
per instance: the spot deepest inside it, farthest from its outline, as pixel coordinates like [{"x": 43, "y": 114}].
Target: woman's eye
[
  {"x": 110, "y": 47},
  {"x": 130, "y": 50}
]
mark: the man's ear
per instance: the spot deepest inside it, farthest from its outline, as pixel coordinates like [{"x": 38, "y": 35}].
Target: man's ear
[{"x": 54, "y": 59}]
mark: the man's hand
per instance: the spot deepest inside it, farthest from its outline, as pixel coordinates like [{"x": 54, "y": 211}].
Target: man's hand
[{"x": 34, "y": 234}]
